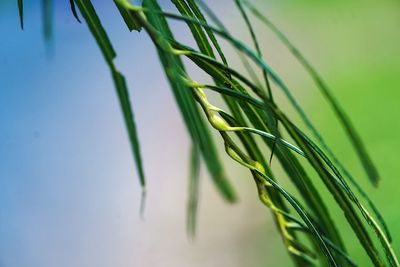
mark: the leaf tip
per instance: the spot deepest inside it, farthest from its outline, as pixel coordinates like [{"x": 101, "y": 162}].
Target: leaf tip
[{"x": 142, "y": 202}]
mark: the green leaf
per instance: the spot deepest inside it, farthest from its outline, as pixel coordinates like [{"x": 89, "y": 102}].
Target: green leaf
[
  {"x": 73, "y": 9},
  {"x": 193, "y": 200},
  {"x": 255, "y": 42},
  {"x": 21, "y": 13},
  {"x": 47, "y": 18},
  {"x": 97, "y": 30},
  {"x": 130, "y": 21}
]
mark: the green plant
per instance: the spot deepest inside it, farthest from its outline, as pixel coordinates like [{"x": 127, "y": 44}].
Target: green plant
[{"x": 252, "y": 111}]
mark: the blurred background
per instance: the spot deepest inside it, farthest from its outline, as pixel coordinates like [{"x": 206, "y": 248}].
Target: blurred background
[{"x": 69, "y": 193}]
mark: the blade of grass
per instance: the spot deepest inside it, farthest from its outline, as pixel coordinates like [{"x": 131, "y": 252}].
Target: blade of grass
[
  {"x": 89, "y": 14},
  {"x": 73, "y": 10},
  {"x": 21, "y": 13},
  {"x": 256, "y": 44},
  {"x": 193, "y": 200},
  {"x": 128, "y": 18},
  {"x": 47, "y": 17}
]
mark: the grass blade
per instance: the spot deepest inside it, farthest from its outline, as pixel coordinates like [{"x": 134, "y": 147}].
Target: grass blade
[
  {"x": 193, "y": 200},
  {"x": 73, "y": 9},
  {"x": 128, "y": 18},
  {"x": 21, "y": 13},
  {"x": 47, "y": 18},
  {"x": 256, "y": 44},
  {"x": 89, "y": 14}
]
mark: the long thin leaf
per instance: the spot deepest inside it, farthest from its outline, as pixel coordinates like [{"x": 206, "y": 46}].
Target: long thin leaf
[
  {"x": 98, "y": 32},
  {"x": 73, "y": 10},
  {"x": 256, "y": 44},
  {"x": 47, "y": 18},
  {"x": 130, "y": 21},
  {"x": 193, "y": 200},
  {"x": 21, "y": 13}
]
